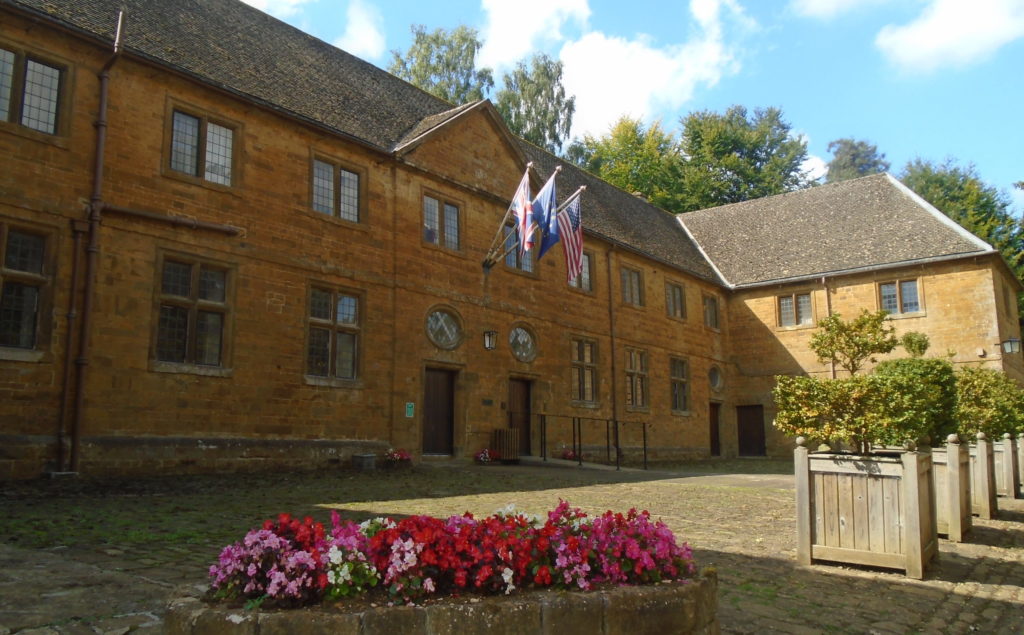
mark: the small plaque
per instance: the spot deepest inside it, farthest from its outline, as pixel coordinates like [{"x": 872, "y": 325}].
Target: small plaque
[
  {"x": 488, "y": 402},
  {"x": 410, "y": 409}
]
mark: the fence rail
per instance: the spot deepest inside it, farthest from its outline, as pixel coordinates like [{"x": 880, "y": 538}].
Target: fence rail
[{"x": 612, "y": 436}]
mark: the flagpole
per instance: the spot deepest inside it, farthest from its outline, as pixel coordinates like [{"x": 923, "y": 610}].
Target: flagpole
[
  {"x": 488, "y": 260},
  {"x": 535, "y": 227}
]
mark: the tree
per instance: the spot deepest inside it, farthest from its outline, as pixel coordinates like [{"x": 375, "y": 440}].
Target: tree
[
  {"x": 534, "y": 105},
  {"x": 633, "y": 158},
  {"x": 916, "y": 344},
  {"x": 851, "y": 344},
  {"x": 852, "y": 159},
  {"x": 443, "y": 63},
  {"x": 733, "y": 157},
  {"x": 988, "y": 401},
  {"x": 981, "y": 209}
]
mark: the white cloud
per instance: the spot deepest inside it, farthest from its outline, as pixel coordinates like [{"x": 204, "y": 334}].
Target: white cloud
[
  {"x": 952, "y": 33},
  {"x": 828, "y": 9},
  {"x": 364, "y": 31},
  {"x": 515, "y": 29},
  {"x": 814, "y": 167},
  {"x": 612, "y": 76},
  {"x": 277, "y": 8}
]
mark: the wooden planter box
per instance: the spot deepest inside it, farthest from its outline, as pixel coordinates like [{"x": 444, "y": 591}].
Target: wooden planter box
[
  {"x": 873, "y": 510},
  {"x": 951, "y": 479},
  {"x": 1005, "y": 465},
  {"x": 983, "y": 478}
]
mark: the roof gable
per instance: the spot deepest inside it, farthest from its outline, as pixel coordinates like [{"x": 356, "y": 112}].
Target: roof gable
[{"x": 864, "y": 223}]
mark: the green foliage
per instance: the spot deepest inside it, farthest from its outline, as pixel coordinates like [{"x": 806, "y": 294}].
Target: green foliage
[
  {"x": 443, "y": 63},
  {"x": 534, "y": 105},
  {"x": 988, "y": 401},
  {"x": 852, "y": 159},
  {"x": 851, "y": 344},
  {"x": 916, "y": 344},
  {"x": 863, "y": 410},
  {"x": 733, "y": 157},
  {"x": 927, "y": 393},
  {"x": 632, "y": 158},
  {"x": 977, "y": 207}
]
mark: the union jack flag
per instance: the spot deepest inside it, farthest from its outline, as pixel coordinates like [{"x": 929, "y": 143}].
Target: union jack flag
[{"x": 523, "y": 209}]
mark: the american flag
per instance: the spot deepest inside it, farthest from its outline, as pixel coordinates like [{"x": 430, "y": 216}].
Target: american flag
[
  {"x": 570, "y": 226},
  {"x": 524, "y": 212}
]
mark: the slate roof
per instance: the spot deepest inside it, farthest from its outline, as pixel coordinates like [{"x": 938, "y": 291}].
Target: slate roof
[
  {"x": 623, "y": 218},
  {"x": 870, "y": 222},
  {"x": 234, "y": 46}
]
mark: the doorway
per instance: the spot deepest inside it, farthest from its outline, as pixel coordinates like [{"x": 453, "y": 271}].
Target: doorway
[
  {"x": 439, "y": 412},
  {"x": 713, "y": 432},
  {"x": 750, "y": 430},
  {"x": 519, "y": 412}
]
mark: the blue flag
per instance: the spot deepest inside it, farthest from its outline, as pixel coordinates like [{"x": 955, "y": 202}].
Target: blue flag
[{"x": 544, "y": 215}]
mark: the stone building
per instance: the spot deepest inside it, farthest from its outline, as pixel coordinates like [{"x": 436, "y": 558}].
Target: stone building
[{"x": 228, "y": 245}]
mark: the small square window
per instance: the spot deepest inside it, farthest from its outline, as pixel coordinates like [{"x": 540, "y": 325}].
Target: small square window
[
  {"x": 31, "y": 92},
  {"x": 795, "y": 309},
  {"x": 584, "y": 282},
  {"x": 202, "y": 148},
  {"x": 899, "y": 296},
  {"x": 336, "y": 191},
  {"x": 675, "y": 300},
  {"x": 632, "y": 283},
  {"x": 441, "y": 223}
]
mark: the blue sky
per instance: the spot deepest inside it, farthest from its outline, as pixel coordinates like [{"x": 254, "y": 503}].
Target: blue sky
[{"x": 934, "y": 79}]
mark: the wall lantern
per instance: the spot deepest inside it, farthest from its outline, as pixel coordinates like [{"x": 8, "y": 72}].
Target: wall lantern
[
  {"x": 491, "y": 340},
  {"x": 1011, "y": 345}
]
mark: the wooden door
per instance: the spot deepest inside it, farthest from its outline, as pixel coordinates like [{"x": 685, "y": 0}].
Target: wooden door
[
  {"x": 519, "y": 412},
  {"x": 750, "y": 430},
  {"x": 716, "y": 439},
  {"x": 438, "y": 411}
]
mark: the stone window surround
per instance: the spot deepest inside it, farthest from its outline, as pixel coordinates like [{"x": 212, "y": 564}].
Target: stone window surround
[
  {"x": 443, "y": 204},
  {"x": 205, "y": 116},
  {"x": 355, "y": 328},
  {"x": 64, "y": 102},
  {"x": 40, "y": 352},
  {"x": 795, "y": 299}
]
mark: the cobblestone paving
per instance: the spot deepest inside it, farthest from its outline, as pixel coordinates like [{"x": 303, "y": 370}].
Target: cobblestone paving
[{"x": 85, "y": 557}]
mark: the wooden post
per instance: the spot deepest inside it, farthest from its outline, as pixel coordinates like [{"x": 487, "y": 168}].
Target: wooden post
[
  {"x": 983, "y": 479},
  {"x": 1009, "y": 469},
  {"x": 957, "y": 491},
  {"x": 912, "y": 543},
  {"x": 802, "y": 471}
]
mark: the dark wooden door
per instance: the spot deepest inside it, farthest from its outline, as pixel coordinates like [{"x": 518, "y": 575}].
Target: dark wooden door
[
  {"x": 750, "y": 430},
  {"x": 438, "y": 411},
  {"x": 519, "y": 412},
  {"x": 716, "y": 439}
]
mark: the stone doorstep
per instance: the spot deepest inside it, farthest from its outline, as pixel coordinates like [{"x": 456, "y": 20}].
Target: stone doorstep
[{"x": 690, "y": 607}]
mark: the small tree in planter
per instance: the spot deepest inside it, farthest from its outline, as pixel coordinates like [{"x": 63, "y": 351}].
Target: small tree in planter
[
  {"x": 989, "y": 403},
  {"x": 865, "y": 508}
]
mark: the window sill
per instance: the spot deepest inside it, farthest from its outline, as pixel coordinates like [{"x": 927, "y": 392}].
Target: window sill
[
  {"x": 458, "y": 253},
  {"x": 333, "y": 382},
  {"x": 646, "y": 409},
  {"x": 23, "y": 355},
  {"x": 589, "y": 405},
  {"x": 201, "y": 182},
  {"x": 57, "y": 140},
  {"x": 360, "y": 225},
  {"x": 906, "y": 316},
  {"x": 520, "y": 272},
  {"x": 635, "y": 307},
  {"x": 587, "y": 292},
  {"x": 682, "y": 413},
  {"x": 189, "y": 369},
  {"x": 796, "y": 327},
  {"x": 676, "y": 318}
]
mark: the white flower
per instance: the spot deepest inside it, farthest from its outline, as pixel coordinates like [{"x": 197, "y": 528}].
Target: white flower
[
  {"x": 506, "y": 575},
  {"x": 334, "y": 555}
]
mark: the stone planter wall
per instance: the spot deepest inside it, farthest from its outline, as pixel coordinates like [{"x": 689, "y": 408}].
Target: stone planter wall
[
  {"x": 634, "y": 610},
  {"x": 870, "y": 510}
]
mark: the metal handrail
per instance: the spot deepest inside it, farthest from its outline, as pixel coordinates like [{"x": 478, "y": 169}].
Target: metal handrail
[{"x": 611, "y": 428}]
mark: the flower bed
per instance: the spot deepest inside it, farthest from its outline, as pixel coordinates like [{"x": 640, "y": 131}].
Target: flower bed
[{"x": 291, "y": 563}]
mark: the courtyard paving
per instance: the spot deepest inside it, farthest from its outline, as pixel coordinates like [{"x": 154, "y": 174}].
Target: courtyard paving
[{"x": 85, "y": 556}]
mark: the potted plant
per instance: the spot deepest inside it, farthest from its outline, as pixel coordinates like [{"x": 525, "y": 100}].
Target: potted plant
[
  {"x": 397, "y": 458},
  {"x": 871, "y": 505},
  {"x": 990, "y": 406}
]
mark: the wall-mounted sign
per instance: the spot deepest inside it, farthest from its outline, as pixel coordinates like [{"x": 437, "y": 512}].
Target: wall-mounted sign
[{"x": 410, "y": 408}]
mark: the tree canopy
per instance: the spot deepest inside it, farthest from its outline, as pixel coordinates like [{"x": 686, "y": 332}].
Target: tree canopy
[
  {"x": 633, "y": 158},
  {"x": 534, "y": 104},
  {"x": 443, "y": 63},
  {"x": 850, "y": 344},
  {"x": 854, "y": 158},
  {"x": 736, "y": 156}
]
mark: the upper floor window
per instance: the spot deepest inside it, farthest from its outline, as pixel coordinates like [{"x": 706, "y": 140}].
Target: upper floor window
[
  {"x": 795, "y": 309},
  {"x": 336, "y": 190},
  {"x": 332, "y": 349},
  {"x": 514, "y": 259},
  {"x": 899, "y": 296},
  {"x": 675, "y": 300},
  {"x": 25, "y": 280},
  {"x": 679, "y": 375},
  {"x": 202, "y": 148},
  {"x": 30, "y": 92},
  {"x": 636, "y": 378},
  {"x": 584, "y": 370},
  {"x": 710, "y": 311},
  {"x": 193, "y": 313},
  {"x": 440, "y": 222},
  {"x": 583, "y": 281},
  {"x": 632, "y": 286}
]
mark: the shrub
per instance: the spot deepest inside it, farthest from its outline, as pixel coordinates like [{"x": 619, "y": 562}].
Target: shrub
[
  {"x": 852, "y": 344},
  {"x": 988, "y": 401},
  {"x": 926, "y": 390}
]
